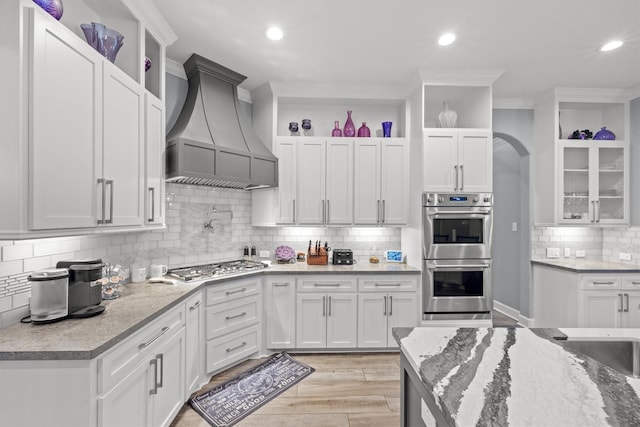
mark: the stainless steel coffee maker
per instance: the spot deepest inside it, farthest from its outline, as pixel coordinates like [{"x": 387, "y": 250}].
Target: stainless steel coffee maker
[{"x": 49, "y": 295}]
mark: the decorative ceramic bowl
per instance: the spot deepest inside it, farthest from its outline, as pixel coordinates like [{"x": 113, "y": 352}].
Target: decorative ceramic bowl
[{"x": 605, "y": 134}]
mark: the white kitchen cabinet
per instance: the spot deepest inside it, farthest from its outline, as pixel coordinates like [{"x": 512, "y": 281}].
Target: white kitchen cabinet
[
  {"x": 232, "y": 327},
  {"x": 195, "y": 340},
  {"x": 286, "y": 149},
  {"x": 384, "y": 304},
  {"x": 581, "y": 182},
  {"x": 593, "y": 183},
  {"x": 324, "y": 181},
  {"x": 280, "y": 312},
  {"x": 154, "y": 161},
  {"x": 381, "y": 181},
  {"x": 458, "y": 161}
]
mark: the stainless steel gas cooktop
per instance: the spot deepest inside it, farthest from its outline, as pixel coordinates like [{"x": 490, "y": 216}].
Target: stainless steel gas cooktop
[{"x": 221, "y": 269}]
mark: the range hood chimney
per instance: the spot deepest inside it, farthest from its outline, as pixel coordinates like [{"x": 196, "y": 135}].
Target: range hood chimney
[{"x": 212, "y": 142}]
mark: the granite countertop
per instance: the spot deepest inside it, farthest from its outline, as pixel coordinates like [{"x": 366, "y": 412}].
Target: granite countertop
[
  {"x": 520, "y": 377},
  {"x": 587, "y": 265},
  {"x": 84, "y": 339}
]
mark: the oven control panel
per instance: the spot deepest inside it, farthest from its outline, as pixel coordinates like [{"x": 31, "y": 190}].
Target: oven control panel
[{"x": 457, "y": 199}]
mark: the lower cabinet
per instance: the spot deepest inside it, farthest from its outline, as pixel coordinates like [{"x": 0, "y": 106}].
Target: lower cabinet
[
  {"x": 379, "y": 313},
  {"x": 141, "y": 381},
  {"x": 280, "y": 312},
  {"x": 610, "y": 302},
  {"x": 327, "y": 320},
  {"x": 232, "y": 327},
  {"x": 194, "y": 338}
]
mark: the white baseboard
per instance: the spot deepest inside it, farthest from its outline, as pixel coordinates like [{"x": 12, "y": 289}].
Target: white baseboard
[{"x": 513, "y": 313}]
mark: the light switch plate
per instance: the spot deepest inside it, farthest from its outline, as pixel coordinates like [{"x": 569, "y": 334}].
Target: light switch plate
[
  {"x": 624, "y": 256},
  {"x": 581, "y": 253},
  {"x": 553, "y": 252},
  {"x": 264, "y": 254},
  {"x": 567, "y": 252}
]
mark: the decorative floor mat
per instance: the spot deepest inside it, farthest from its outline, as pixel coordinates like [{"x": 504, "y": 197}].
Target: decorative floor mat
[{"x": 238, "y": 397}]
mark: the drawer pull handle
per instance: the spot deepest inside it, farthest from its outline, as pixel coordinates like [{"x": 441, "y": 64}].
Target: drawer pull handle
[
  {"x": 280, "y": 284},
  {"x": 194, "y": 306},
  {"x": 604, "y": 283},
  {"x": 148, "y": 343},
  {"x": 236, "y": 291},
  {"x": 635, "y": 283},
  {"x": 326, "y": 285},
  {"x": 244, "y": 313},
  {"x": 388, "y": 284},
  {"x": 229, "y": 350}
]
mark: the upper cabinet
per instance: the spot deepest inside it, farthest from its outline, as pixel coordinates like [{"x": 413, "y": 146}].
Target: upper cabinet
[
  {"x": 456, "y": 129},
  {"x": 581, "y": 178},
  {"x": 77, "y": 147},
  {"x": 316, "y": 182}
]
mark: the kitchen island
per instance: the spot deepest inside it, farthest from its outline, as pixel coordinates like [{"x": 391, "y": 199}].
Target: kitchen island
[{"x": 512, "y": 376}]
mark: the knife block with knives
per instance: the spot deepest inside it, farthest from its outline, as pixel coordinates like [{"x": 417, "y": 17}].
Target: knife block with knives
[{"x": 318, "y": 255}]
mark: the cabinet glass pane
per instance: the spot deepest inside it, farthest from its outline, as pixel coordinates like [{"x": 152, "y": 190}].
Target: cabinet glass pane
[
  {"x": 576, "y": 183},
  {"x": 611, "y": 182}
]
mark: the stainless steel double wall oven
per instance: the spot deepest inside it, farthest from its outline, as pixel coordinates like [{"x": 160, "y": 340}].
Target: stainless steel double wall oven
[{"x": 457, "y": 255}]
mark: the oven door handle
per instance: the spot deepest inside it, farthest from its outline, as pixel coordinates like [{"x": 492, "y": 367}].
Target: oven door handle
[
  {"x": 458, "y": 267},
  {"x": 466, "y": 213}
]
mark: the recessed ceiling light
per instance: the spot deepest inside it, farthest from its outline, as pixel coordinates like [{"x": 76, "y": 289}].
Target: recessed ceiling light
[
  {"x": 446, "y": 39},
  {"x": 611, "y": 45},
  {"x": 275, "y": 33}
]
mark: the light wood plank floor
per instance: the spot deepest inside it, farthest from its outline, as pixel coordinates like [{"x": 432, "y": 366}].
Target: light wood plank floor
[{"x": 346, "y": 390}]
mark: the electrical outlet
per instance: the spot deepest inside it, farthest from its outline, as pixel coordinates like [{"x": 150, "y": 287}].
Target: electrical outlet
[
  {"x": 567, "y": 252},
  {"x": 624, "y": 256},
  {"x": 553, "y": 252},
  {"x": 264, "y": 254},
  {"x": 581, "y": 253},
  {"x": 514, "y": 226}
]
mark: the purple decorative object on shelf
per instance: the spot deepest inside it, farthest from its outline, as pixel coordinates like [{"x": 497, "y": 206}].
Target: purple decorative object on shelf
[
  {"x": 52, "y": 7},
  {"x": 349, "y": 127},
  {"x": 336, "y": 129},
  {"x": 386, "y": 129},
  {"x": 147, "y": 64},
  {"x": 293, "y": 127},
  {"x": 306, "y": 124},
  {"x": 364, "y": 131},
  {"x": 604, "y": 134},
  {"x": 105, "y": 40}
]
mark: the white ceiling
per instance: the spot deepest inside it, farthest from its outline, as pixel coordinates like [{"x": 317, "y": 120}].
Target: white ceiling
[{"x": 539, "y": 43}]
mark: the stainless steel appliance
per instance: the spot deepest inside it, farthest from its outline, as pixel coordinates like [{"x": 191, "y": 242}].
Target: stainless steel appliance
[
  {"x": 342, "y": 257},
  {"x": 49, "y": 295},
  {"x": 221, "y": 269},
  {"x": 85, "y": 286},
  {"x": 457, "y": 226},
  {"x": 456, "y": 280}
]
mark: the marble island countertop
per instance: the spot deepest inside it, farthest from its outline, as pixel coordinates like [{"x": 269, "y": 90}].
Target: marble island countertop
[
  {"x": 520, "y": 377},
  {"x": 581, "y": 265},
  {"x": 141, "y": 303}
]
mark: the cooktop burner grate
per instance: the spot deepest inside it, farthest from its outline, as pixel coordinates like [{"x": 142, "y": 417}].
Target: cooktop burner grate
[{"x": 215, "y": 269}]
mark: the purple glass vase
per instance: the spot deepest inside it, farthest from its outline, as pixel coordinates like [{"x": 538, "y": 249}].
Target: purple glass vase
[
  {"x": 336, "y": 129},
  {"x": 363, "y": 131},
  {"x": 386, "y": 129},
  {"x": 52, "y": 7},
  {"x": 349, "y": 127}
]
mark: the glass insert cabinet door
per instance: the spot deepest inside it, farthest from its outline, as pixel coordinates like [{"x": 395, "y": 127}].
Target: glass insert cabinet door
[{"x": 592, "y": 183}]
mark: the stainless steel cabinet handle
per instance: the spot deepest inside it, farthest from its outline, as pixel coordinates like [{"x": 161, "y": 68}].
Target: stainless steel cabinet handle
[
  {"x": 626, "y": 307},
  {"x": 294, "y": 210},
  {"x": 148, "y": 343},
  {"x": 378, "y": 213},
  {"x": 461, "y": 177},
  {"x": 620, "y": 309},
  {"x": 326, "y": 285},
  {"x": 323, "y": 212},
  {"x": 384, "y": 310},
  {"x": 194, "y": 306},
  {"x": 456, "y": 171},
  {"x": 603, "y": 283},
  {"x": 244, "y": 313},
  {"x": 109, "y": 182},
  {"x": 329, "y": 306},
  {"x": 388, "y": 284},
  {"x": 324, "y": 306},
  {"x": 236, "y": 291},
  {"x": 384, "y": 209},
  {"x": 328, "y": 213},
  {"x": 160, "y": 358},
  {"x": 280, "y": 284},
  {"x": 390, "y": 305},
  {"x": 598, "y": 210},
  {"x": 154, "y": 363},
  {"x": 152, "y": 197},
  {"x": 104, "y": 199},
  {"x": 229, "y": 350},
  {"x": 635, "y": 283},
  {"x": 593, "y": 211}
]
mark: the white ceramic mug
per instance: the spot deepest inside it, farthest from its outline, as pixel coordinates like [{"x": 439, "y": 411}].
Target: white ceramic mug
[
  {"x": 158, "y": 270},
  {"x": 138, "y": 274}
]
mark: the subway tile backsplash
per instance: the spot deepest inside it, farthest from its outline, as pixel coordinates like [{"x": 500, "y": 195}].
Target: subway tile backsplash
[{"x": 185, "y": 241}]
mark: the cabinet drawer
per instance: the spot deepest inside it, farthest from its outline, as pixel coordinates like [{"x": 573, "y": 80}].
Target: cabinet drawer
[
  {"x": 118, "y": 362},
  {"x": 225, "y": 351},
  {"x": 327, "y": 284},
  {"x": 605, "y": 282},
  {"x": 632, "y": 282},
  {"x": 374, "y": 284},
  {"x": 229, "y": 317},
  {"x": 230, "y": 291}
]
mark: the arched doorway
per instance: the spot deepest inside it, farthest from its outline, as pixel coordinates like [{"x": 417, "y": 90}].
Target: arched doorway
[{"x": 511, "y": 228}]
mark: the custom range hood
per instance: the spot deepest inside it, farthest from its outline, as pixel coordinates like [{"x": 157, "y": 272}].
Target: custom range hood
[{"x": 212, "y": 142}]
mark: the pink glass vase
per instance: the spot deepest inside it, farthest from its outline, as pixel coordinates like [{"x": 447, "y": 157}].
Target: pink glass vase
[
  {"x": 336, "y": 129},
  {"x": 349, "y": 127},
  {"x": 363, "y": 131}
]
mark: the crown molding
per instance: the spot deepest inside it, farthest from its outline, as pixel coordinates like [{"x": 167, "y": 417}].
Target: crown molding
[
  {"x": 513, "y": 104},
  {"x": 175, "y": 68}
]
